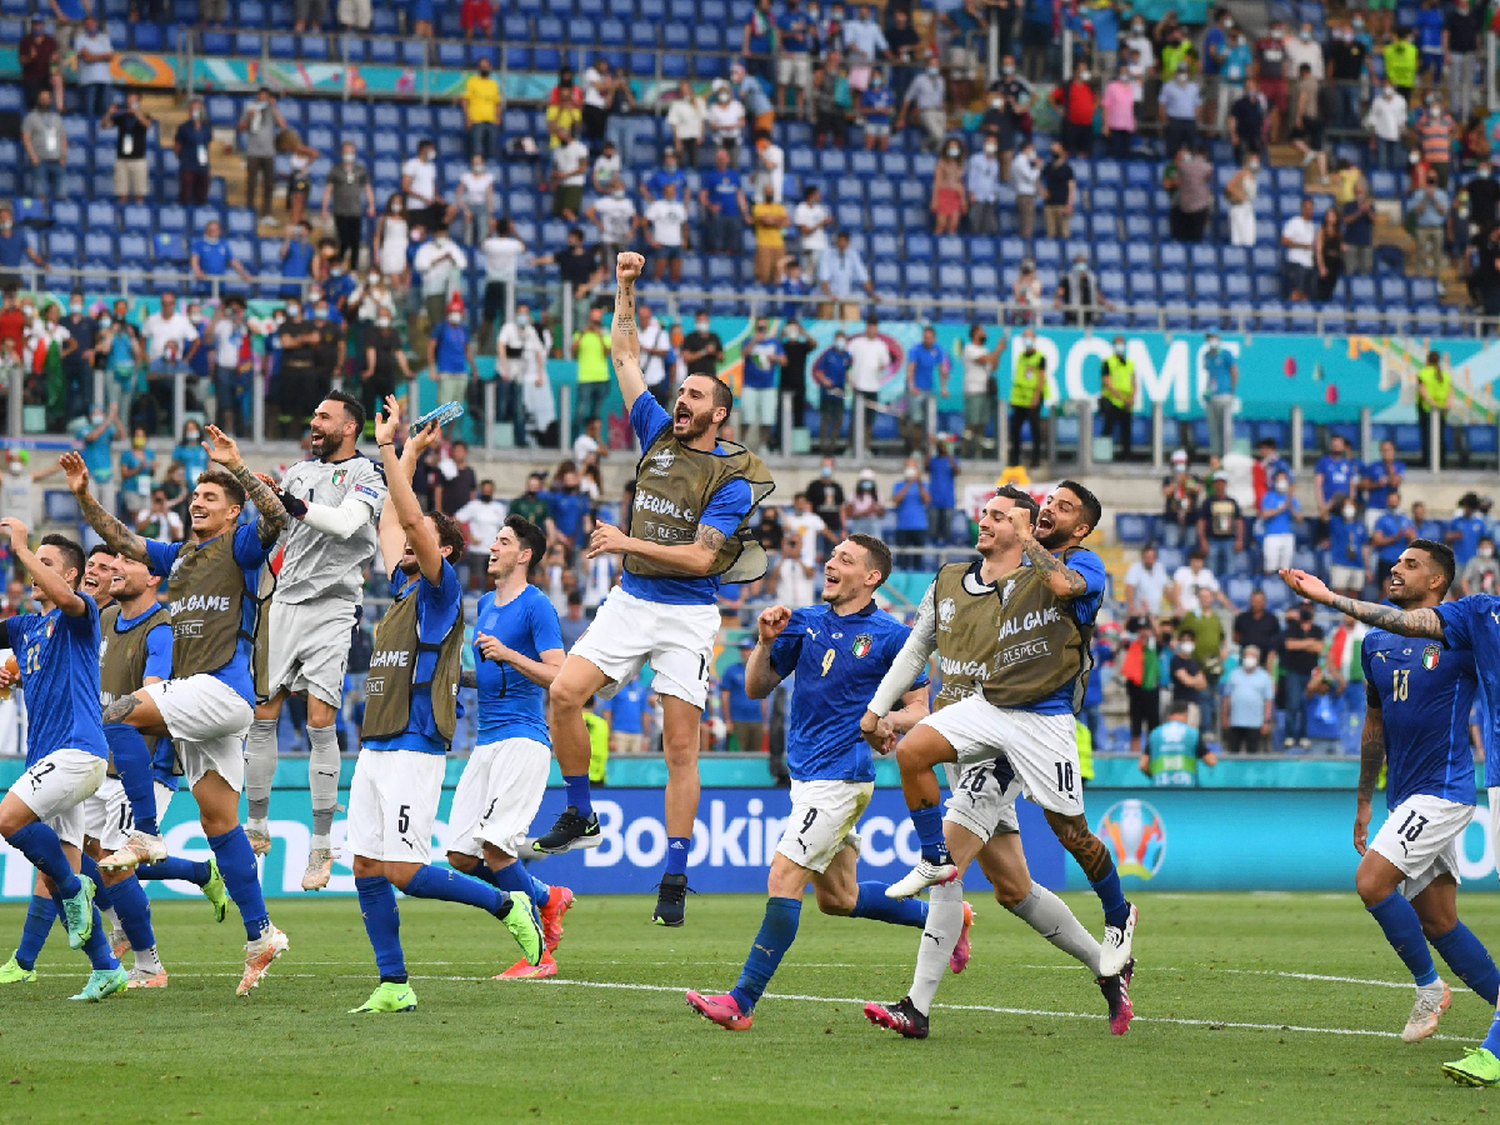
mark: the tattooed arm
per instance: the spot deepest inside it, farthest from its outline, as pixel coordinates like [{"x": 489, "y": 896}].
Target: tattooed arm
[
  {"x": 1061, "y": 579},
  {"x": 223, "y": 450},
  {"x": 115, "y": 534},
  {"x": 624, "y": 341},
  {"x": 1371, "y": 758},
  {"x": 693, "y": 559},
  {"x": 1406, "y": 622}
]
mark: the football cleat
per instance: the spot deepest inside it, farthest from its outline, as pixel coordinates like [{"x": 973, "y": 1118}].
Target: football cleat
[
  {"x": 140, "y": 847},
  {"x": 723, "y": 1010},
  {"x": 671, "y": 900},
  {"x": 569, "y": 831},
  {"x": 389, "y": 997},
  {"x": 525, "y": 970},
  {"x": 12, "y": 973},
  {"x": 1116, "y": 991},
  {"x": 78, "y": 915},
  {"x": 1432, "y": 1002},
  {"x": 520, "y": 920},
  {"x": 902, "y": 1018},
  {"x": 960, "y": 956},
  {"x": 258, "y": 957},
  {"x": 1478, "y": 1067},
  {"x": 919, "y": 878},
  {"x": 102, "y": 983},
  {"x": 145, "y": 978},
  {"x": 119, "y": 944},
  {"x": 319, "y": 868},
  {"x": 214, "y": 891},
  {"x": 559, "y": 902},
  {"x": 1115, "y": 948},
  {"x": 260, "y": 839}
]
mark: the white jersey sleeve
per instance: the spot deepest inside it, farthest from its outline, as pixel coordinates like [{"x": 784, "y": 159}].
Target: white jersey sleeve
[
  {"x": 318, "y": 562},
  {"x": 911, "y": 659}
]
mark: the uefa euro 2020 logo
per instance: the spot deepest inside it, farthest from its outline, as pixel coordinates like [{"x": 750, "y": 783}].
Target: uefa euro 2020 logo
[{"x": 1134, "y": 832}]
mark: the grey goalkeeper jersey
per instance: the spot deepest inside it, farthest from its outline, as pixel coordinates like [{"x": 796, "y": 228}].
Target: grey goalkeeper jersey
[{"x": 316, "y": 565}]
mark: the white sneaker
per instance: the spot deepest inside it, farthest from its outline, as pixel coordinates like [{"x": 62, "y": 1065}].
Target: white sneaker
[
  {"x": 1432, "y": 1001},
  {"x": 258, "y": 957},
  {"x": 922, "y": 876},
  {"x": 259, "y": 837},
  {"x": 1114, "y": 950},
  {"x": 140, "y": 847},
  {"x": 319, "y": 868}
]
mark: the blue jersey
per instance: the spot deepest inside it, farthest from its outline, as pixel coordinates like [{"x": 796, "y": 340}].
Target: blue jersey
[
  {"x": 438, "y": 607},
  {"x": 213, "y": 256},
  {"x": 1379, "y": 480},
  {"x": 59, "y": 660},
  {"x": 1469, "y": 530},
  {"x": 742, "y": 709},
  {"x": 510, "y": 705},
  {"x": 839, "y": 662},
  {"x": 250, "y": 553},
  {"x": 1281, "y": 523},
  {"x": 1424, "y": 693},
  {"x": 1472, "y": 625},
  {"x": 926, "y": 363},
  {"x": 834, "y": 366},
  {"x": 940, "y": 470},
  {"x": 1392, "y": 523},
  {"x": 1340, "y": 475},
  {"x": 1084, "y": 609},
  {"x": 725, "y": 511},
  {"x": 627, "y": 708},
  {"x": 1346, "y": 541},
  {"x": 164, "y": 767}
]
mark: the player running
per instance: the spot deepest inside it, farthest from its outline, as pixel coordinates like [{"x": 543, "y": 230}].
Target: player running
[
  {"x": 208, "y": 705},
  {"x": 980, "y": 822},
  {"x": 1468, "y": 625},
  {"x": 517, "y": 652},
  {"x": 334, "y": 498},
  {"x": 838, "y": 651},
  {"x": 688, "y": 532},
  {"x": 66, "y": 753},
  {"x": 412, "y": 708}
]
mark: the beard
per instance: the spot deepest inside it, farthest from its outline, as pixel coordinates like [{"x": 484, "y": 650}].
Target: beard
[
  {"x": 699, "y": 425},
  {"x": 409, "y": 567},
  {"x": 1054, "y": 538}
]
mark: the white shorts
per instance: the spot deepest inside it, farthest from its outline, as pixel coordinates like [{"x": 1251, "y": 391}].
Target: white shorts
[
  {"x": 824, "y": 814},
  {"x": 1346, "y": 577},
  {"x": 1421, "y": 839},
  {"x": 1277, "y": 551},
  {"x": 758, "y": 405},
  {"x": 309, "y": 648},
  {"x": 983, "y": 797},
  {"x": 208, "y": 721},
  {"x": 498, "y": 796},
  {"x": 678, "y": 640},
  {"x": 794, "y": 70},
  {"x": 1043, "y": 749},
  {"x": 56, "y": 787},
  {"x": 393, "y": 801},
  {"x": 106, "y": 815},
  {"x": 163, "y": 800}
]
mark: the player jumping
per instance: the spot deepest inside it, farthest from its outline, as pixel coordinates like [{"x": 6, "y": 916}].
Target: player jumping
[
  {"x": 208, "y": 705},
  {"x": 688, "y": 533},
  {"x": 981, "y": 821},
  {"x": 334, "y": 498},
  {"x": 410, "y": 716},
  {"x": 517, "y": 652},
  {"x": 839, "y": 650}
]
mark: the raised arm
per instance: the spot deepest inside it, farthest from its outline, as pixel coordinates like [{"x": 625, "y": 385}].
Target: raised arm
[
  {"x": 760, "y": 678},
  {"x": 1406, "y": 622},
  {"x": 1061, "y": 579},
  {"x": 624, "y": 340},
  {"x": 223, "y": 450},
  {"x": 115, "y": 534},
  {"x": 52, "y": 584},
  {"x": 401, "y": 519}
]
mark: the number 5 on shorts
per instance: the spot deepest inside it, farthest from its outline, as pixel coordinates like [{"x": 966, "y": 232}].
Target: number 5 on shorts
[{"x": 403, "y": 819}]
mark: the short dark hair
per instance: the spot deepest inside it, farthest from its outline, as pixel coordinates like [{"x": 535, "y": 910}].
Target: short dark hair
[
  {"x": 226, "y": 480},
  {"x": 1440, "y": 553},
  {"x": 1022, "y": 498},
  {"x": 723, "y": 396},
  {"x": 531, "y": 539},
  {"x": 100, "y": 549},
  {"x": 352, "y": 407},
  {"x": 879, "y": 554},
  {"x": 73, "y": 553},
  {"x": 1091, "y": 506},
  {"x": 450, "y": 533}
]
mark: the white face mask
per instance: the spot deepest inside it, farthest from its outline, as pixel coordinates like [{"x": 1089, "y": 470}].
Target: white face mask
[
  {"x": 455, "y": 318},
  {"x": 382, "y": 322},
  {"x": 1187, "y": 648},
  {"x": 1250, "y": 663},
  {"x": 1349, "y": 511},
  {"x": 1119, "y": 349},
  {"x": 991, "y": 148},
  {"x": 911, "y": 472},
  {"x": 1283, "y": 486},
  {"x": 1486, "y": 552}
]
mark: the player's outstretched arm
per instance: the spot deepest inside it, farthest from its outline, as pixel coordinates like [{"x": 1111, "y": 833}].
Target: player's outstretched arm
[
  {"x": 115, "y": 534},
  {"x": 54, "y": 586},
  {"x": 401, "y": 520},
  {"x": 624, "y": 340},
  {"x": 1406, "y": 622},
  {"x": 224, "y": 450}
]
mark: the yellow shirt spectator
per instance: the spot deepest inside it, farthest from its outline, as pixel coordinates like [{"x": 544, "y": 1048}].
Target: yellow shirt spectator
[
  {"x": 560, "y": 117},
  {"x": 482, "y": 100},
  {"x": 768, "y": 234}
]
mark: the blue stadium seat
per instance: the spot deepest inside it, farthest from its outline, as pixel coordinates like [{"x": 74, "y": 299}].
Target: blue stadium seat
[
  {"x": 1138, "y": 255},
  {"x": 951, "y": 248},
  {"x": 169, "y": 248},
  {"x": 919, "y": 247},
  {"x": 1207, "y": 286}
]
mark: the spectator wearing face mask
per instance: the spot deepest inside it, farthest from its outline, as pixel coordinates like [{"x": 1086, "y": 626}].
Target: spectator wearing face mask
[
  {"x": 924, "y": 106},
  {"x": 911, "y": 498},
  {"x": 979, "y": 386},
  {"x": 797, "y": 348},
  {"x": 876, "y": 106},
  {"x": 1235, "y": 65},
  {"x": 1189, "y": 683},
  {"x": 419, "y": 189},
  {"x": 46, "y": 144},
  {"x": 210, "y": 255},
  {"x": 1028, "y": 393},
  {"x": 450, "y": 356},
  {"x": 831, "y": 374},
  {"x": 132, "y": 125},
  {"x": 1025, "y": 178},
  {"x": 949, "y": 201},
  {"x": 384, "y": 364},
  {"x": 260, "y": 125},
  {"x": 725, "y": 118},
  {"x": 1249, "y": 701},
  {"x": 590, "y": 348},
  {"x": 1118, "y": 104},
  {"x": 94, "y": 436},
  {"x": 481, "y": 103},
  {"x": 481, "y": 518},
  {"x": 1301, "y": 651},
  {"x": 476, "y": 200},
  {"x": 440, "y": 263},
  {"x": 1348, "y": 547},
  {"x": 982, "y": 184},
  {"x": 762, "y": 359},
  {"x": 1241, "y": 192},
  {"x": 1077, "y": 103},
  {"x": 1386, "y": 121},
  {"x": 1278, "y": 509},
  {"x": 1179, "y": 103},
  {"x": 1435, "y": 128},
  {"x": 137, "y": 476},
  {"x": 1061, "y": 188},
  {"x": 501, "y": 253},
  {"x": 613, "y": 215},
  {"x": 1481, "y": 574}
]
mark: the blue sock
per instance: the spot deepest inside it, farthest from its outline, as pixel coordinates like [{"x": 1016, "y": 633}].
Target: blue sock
[
  {"x": 1112, "y": 897},
  {"x": 540, "y": 892},
  {"x": 677, "y": 853},
  {"x": 134, "y": 911},
  {"x": 1404, "y": 931},
  {"x": 39, "y": 918},
  {"x": 453, "y": 886},
  {"x": 578, "y": 794},
  {"x": 929, "y": 826},
  {"x": 132, "y": 760},
  {"x": 1492, "y": 1040},
  {"x": 513, "y": 879},
  {"x": 193, "y": 871},
  {"x": 873, "y": 903},
  {"x": 377, "y": 905},
  {"x": 242, "y": 880},
  {"x": 96, "y": 948},
  {"x": 484, "y": 873},
  {"x": 1470, "y": 961},
  {"x": 777, "y": 932},
  {"x": 40, "y": 845}
]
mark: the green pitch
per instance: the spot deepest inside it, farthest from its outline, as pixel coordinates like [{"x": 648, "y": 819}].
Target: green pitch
[{"x": 1022, "y": 1036}]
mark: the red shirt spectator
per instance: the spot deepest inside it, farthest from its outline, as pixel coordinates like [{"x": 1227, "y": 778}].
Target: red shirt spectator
[
  {"x": 12, "y": 322},
  {"x": 1078, "y": 101},
  {"x": 477, "y": 16},
  {"x": 36, "y": 53}
]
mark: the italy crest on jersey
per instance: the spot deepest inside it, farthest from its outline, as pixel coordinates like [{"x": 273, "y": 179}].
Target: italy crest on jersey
[
  {"x": 1430, "y": 656},
  {"x": 862, "y": 644},
  {"x": 339, "y": 475}
]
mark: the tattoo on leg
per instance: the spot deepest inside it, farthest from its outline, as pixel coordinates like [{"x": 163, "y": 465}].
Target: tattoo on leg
[
  {"x": 1086, "y": 848},
  {"x": 117, "y": 711}
]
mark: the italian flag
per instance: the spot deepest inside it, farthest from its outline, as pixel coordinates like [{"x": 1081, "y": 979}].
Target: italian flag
[{"x": 1341, "y": 655}]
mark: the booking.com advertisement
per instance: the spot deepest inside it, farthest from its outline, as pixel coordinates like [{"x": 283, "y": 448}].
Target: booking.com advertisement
[{"x": 1162, "y": 839}]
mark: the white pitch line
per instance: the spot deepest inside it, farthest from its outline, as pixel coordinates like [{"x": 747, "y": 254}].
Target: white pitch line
[{"x": 1265, "y": 973}]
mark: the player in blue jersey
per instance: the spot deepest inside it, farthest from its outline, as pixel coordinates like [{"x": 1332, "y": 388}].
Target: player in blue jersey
[
  {"x": 410, "y": 716},
  {"x": 838, "y": 651},
  {"x": 1469, "y": 625},
  {"x": 66, "y": 754},
  {"x": 207, "y": 706},
  {"x": 517, "y": 651},
  {"x": 1418, "y": 699},
  {"x": 687, "y": 534}
]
